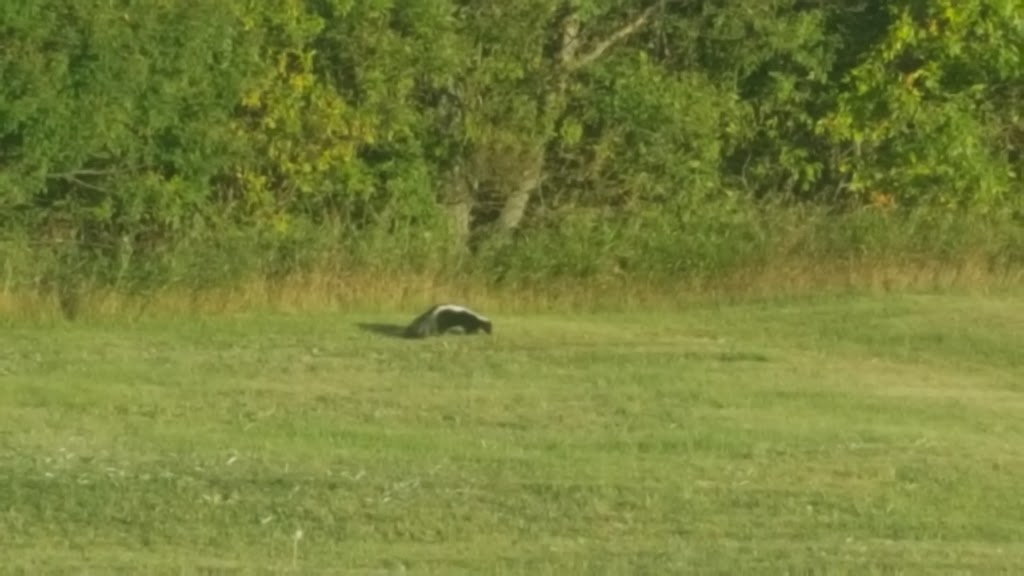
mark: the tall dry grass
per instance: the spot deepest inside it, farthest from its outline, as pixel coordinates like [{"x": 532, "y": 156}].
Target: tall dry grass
[
  {"x": 325, "y": 290},
  {"x": 765, "y": 252}
]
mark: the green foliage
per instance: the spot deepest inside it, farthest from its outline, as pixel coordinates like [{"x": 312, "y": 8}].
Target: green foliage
[
  {"x": 933, "y": 111},
  {"x": 636, "y": 136},
  {"x": 653, "y": 138},
  {"x": 775, "y": 61},
  {"x": 115, "y": 122}
]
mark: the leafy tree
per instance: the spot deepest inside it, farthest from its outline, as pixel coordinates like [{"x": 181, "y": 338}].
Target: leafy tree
[{"x": 932, "y": 114}]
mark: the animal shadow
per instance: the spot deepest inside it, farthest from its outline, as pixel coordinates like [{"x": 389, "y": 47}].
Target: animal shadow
[{"x": 387, "y": 330}]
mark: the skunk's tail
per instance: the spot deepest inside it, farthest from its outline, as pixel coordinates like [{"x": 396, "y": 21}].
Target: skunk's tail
[{"x": 422, "y": 326}]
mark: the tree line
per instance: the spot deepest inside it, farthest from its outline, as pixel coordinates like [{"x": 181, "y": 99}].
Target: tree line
[{"x": 443, "y": 130}]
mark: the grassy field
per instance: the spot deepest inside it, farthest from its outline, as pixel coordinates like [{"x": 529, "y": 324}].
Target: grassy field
[{"x": 854, "y": 435}]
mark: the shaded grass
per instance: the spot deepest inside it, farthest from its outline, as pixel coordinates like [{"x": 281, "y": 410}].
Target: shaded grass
[{"x": 841, "y": 435}]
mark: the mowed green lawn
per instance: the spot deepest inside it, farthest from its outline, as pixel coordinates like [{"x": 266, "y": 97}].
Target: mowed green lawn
[{"x": 846, "y": 436}]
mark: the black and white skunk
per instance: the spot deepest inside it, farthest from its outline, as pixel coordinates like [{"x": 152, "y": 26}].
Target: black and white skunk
[{"x": 447, "y": 317}]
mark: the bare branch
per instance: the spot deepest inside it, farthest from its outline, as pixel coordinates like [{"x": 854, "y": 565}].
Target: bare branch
[
  {"x": 76, "y": 177},
  {"x": 70, "y": 178},
  {"x": 570, "y": 38},
  {"x": 80, "y": 173},
  {"x": 621, "y": 34}
]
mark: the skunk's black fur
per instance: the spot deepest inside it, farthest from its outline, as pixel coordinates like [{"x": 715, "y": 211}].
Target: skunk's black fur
[{"x": 447, "y": 317}]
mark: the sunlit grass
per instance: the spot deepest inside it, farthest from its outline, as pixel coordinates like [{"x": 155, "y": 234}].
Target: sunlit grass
[{"x": 850, "y": 435}]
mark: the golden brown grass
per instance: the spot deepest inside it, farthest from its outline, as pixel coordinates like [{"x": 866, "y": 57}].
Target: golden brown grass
[{"x": 391, "y": 291}]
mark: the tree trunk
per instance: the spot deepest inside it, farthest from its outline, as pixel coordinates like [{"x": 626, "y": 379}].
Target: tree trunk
[
  {"x": 458, "y": 200},
  {"x": 553, "y": 104},
  {"x": 520, "y": 193},
  {"x": 459, "y": 222}
]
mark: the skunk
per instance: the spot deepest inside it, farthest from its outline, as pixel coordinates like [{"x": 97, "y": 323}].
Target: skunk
[{"x": 444, "y": 317}]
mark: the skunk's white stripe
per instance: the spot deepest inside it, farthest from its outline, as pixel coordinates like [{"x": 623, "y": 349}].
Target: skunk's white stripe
[
  {"x": 456, "y": 308},
  {"x": 428, "y": 322}
]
